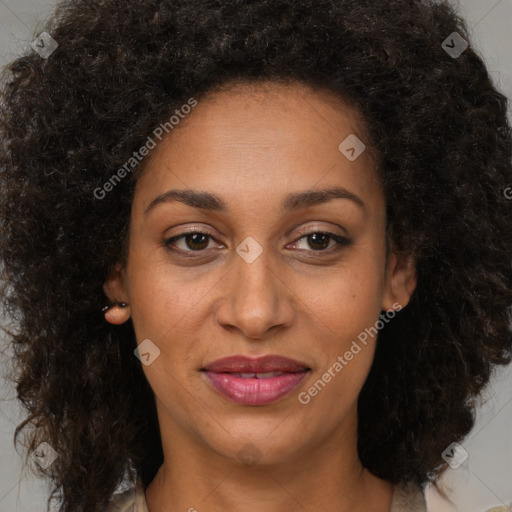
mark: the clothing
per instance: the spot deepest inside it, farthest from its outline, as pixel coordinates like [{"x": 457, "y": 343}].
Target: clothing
[
  {"x": 406, "y": 498},
  {"x": 131, "y": 500}
]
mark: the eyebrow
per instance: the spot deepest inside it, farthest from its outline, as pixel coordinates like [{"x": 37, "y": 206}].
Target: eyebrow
[{"x": 210, "y": 202}]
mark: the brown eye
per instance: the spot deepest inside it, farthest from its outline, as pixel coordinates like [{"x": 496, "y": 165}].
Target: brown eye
[
  {"x": 196, "y": 241},
  {"x": 319, "y": 241},
  {"x": 192, "y": 241}
]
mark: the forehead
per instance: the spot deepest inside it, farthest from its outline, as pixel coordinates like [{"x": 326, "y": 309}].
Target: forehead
[{"x": 247, "y": 139}]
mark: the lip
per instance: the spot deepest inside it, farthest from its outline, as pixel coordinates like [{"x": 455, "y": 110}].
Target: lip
[
  {"x": 224, "y": 376},
  {"x": 244, "y": 364}
]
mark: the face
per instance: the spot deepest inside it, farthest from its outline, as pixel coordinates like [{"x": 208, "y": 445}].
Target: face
[{"x": 263, "y": 268}]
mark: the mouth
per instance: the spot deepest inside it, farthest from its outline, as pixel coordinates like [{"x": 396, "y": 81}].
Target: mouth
[{"x": 260, "y": 381}]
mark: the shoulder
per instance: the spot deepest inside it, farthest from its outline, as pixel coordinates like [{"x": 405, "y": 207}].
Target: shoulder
[{"x": 408, "y": 498}]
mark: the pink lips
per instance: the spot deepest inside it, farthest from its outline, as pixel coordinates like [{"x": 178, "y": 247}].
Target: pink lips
[{"x": 273, "y": 377}]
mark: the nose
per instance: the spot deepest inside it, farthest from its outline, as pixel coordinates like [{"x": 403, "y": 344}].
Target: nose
[{"x": 255, "y": 298}]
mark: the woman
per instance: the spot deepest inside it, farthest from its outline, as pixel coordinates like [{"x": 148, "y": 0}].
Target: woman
[{"x": 259, "y": 251}]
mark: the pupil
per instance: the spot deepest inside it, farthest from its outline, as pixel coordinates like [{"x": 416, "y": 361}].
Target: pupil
[
  {"x": 315, "y": 237},
  {"x": 193, "y": 240}
]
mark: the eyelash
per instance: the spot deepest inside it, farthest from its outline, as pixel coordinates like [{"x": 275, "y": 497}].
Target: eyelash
[{"x": 340, "y": 240}]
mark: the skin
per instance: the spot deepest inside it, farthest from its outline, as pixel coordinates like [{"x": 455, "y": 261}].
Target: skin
[{"x": 252, "y": 146}]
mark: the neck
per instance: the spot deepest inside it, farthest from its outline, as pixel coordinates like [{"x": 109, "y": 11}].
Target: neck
[{"x": 327, "y": 477}]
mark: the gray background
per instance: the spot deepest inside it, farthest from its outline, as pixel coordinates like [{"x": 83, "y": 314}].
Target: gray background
[{"x": 485, "y": 479}]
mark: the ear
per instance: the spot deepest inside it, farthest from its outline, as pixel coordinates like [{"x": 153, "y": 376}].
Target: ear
[
  {"x": 401, "y": 280},
  {"x": 115, "y": 284}
]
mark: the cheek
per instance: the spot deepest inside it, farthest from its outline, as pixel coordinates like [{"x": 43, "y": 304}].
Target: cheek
[
  {"x": 347, "y": 306},
  {"x": 162, "y": 301},
  {"x": 168, "y": 309},
  {"x": 349, "y": 300},
  {"x": 348, "y": 313},
  {"x": 165, "y": 309}
]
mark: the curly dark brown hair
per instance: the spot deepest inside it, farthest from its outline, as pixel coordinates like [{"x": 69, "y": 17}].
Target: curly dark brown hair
[{"x": 69, "y": 121}]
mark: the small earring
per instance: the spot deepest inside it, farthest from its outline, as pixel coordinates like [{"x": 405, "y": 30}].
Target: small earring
[{"x": 115, "y": 312}]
